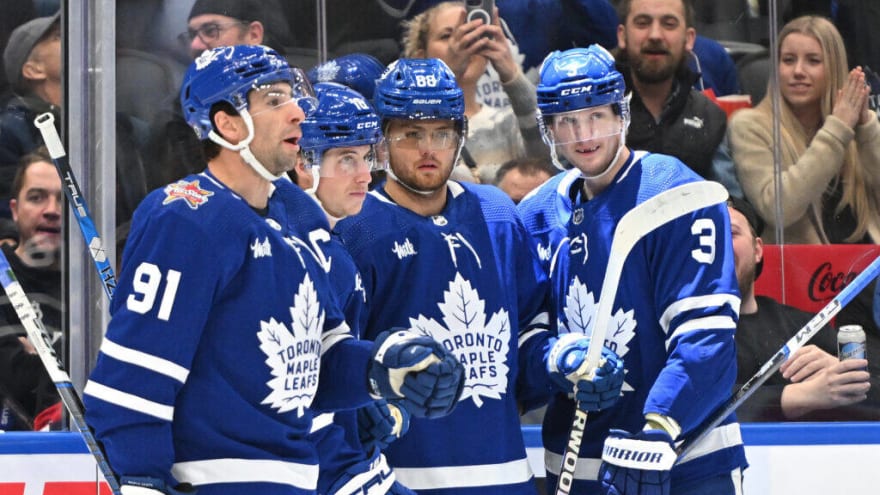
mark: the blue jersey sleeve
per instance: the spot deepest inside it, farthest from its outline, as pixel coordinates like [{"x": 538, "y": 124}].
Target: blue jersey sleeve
[
  {"x": 158, "y": 312},
  {"x": 699, "y": 306}
]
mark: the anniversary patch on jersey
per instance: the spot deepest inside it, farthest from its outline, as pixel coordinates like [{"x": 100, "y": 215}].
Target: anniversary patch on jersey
[
  {"x": 190, "y": 192},
  {"x": 580, "y": 311},
  {"x": 480, "y": 344},
  {"x": 294, "y": 355}
]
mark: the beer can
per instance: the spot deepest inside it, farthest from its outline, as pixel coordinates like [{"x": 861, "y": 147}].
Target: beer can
[{"x": 851, "y": 343}]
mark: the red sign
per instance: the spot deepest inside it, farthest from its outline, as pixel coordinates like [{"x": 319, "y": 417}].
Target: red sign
[{"x": 809, "y": 276}]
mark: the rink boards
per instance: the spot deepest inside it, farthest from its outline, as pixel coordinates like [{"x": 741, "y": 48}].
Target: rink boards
[{"x": 789, "y": 458}]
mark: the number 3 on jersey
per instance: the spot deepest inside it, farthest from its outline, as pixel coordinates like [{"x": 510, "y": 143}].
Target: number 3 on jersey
[
  {"x": 146, "y": 285},
  {"x": 704, "y": 228}
]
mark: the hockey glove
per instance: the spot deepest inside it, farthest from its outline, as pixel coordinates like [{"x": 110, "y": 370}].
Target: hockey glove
[
  {"x": 133, "y": 485},
  {"x": 416, "y": 369},
  {"x": 381, "y": 423},
  {"x": 567, "y": 367},
  {"x": 637, "y": 464}
]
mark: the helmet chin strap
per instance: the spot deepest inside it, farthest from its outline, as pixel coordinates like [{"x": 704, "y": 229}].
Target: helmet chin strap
[
  {"x": 243, "y": 148},
  {"x": 316, "y": 179},
  {"x": 406, "y": 186}
]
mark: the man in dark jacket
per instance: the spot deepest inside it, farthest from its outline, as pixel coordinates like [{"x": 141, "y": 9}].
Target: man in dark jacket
[{"x": 655, "y": 38}]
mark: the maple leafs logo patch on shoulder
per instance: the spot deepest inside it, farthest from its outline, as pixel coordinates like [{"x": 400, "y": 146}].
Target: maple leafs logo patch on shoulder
[{"x": 190, "y": 192}]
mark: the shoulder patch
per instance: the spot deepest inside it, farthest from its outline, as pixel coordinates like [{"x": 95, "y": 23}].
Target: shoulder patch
[{"x": 190, "y": 192}]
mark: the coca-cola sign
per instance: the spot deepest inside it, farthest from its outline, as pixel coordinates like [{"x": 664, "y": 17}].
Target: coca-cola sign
[{"x": 812, "y": 275}]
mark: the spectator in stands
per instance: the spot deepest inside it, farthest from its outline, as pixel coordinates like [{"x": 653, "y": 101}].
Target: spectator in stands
[
  {"x": 668, "y": 115},
  {"x": 520, "y": 176},
  {"x": 173, "y": 151},
  {"x": 812, "y": 384},
  {"x": 214, "y": 23},
  {"x": 32, "y": 60},
  {"x": 25, "y": 387},
  {"x": 830, "y": 143},
  {"x": 495, "y": 135}
]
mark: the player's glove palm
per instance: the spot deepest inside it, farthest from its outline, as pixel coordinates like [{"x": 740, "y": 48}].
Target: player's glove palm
[
  {"x": 417, "y": 371},
  {"x": 567, "y": 367},
  {"x": 637, "y": 464},
  {"x": 381, "y": 423}
]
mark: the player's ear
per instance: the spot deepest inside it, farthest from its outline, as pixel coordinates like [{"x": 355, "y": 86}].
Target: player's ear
[{"x": 230, "y": 127}]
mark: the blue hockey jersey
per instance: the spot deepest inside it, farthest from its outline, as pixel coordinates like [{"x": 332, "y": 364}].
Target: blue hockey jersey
[
  {"x": 335, "y": 434},
  {"x": 467, "y": 278},
  {"x": 673, "y": 317},
  {"x": 223, "y": 325}
]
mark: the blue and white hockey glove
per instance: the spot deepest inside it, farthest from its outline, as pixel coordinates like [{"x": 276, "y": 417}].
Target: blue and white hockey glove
[
  {"x": 133, "y": 485},
  {"x": 370, "y": 476},
  {"x": 416, "y": 371},
  {"x": 381, "y": 423},
  {"x": 637, "y": 464},
  {"x": 567, "y": 367}
]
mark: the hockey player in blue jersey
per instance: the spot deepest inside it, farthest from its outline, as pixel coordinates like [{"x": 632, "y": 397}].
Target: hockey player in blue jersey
[
  {"x": 225, "y": 333},
  {"x": 341, "y": 145},
  {"x": 675, "y": 311},
  {"x": 454, "y": 262}
]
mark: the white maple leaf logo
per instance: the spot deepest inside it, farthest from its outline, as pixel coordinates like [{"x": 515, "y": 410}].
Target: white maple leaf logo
[
  {"x": 580, "y": 311},
  {"x": 480, "y": 345},
  {"x": 293, "y": 355}
]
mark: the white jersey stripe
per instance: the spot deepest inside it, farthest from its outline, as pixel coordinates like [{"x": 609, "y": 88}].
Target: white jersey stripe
[
  {"x": 321, "y": 421},
  {"x": 710, "y": 322},
  {"x": 210, "y": 471},
  {"x": 697, "y": 302},
  {"x": 720, "y": 438},
  {"x": 587, "y": 468},
  {"x": 144, "y": 360},
  {"x": 129, "y": 401},
  {"x": 436, "y": 478},
  {"x": 523, "y": 337}
]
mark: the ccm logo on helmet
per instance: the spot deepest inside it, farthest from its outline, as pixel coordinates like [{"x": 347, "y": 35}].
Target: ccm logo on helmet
[
  {"x": 367, "y": 125},
  {"x": 576, "y": 91}
]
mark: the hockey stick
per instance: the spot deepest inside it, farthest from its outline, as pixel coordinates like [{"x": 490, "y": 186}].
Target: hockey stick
[
  {"x": 635, "y": 224},
  {"x": 807, "y": 332},
  {"x": 46, "y": 124},
  {"x": 41, "y": 341}
]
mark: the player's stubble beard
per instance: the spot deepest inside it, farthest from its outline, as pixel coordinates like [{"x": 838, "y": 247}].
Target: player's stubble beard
[{"x": 407, "y": 175}]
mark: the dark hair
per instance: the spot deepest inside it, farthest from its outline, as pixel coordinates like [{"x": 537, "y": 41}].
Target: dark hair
[
  {"x": 756, "y": 223},
  {"x": 525, "y": 166},
  {"x": 209, "y": 148},
  {"x": 623, "y": 8},
  {"x": 40, "y": 154}
]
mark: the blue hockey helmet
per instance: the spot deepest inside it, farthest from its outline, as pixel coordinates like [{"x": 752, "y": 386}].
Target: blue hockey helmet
[
  {"x": 358, "y": 71},
  {"x": 343, "y": 117},
  {"x": 419, "y": 89},
  {"x": 228, "y": 74},
  {"x": 579, "y": 78}
]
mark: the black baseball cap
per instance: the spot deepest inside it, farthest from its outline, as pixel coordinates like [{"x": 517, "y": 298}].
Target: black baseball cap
[{"x": 755, "y": 222}]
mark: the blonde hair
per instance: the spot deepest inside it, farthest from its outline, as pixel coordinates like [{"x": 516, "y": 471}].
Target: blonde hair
[
  {"x": 794, "y": 136},
  {"x": 415, "y": 30}
]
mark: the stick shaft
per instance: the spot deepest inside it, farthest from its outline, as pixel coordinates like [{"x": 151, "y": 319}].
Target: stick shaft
[
  {"x": 45, "y": 123},
  {"x": 41, "y": 341},
  {"x": 807, "y": 332},
  {"x": 635, "y": 224}
]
